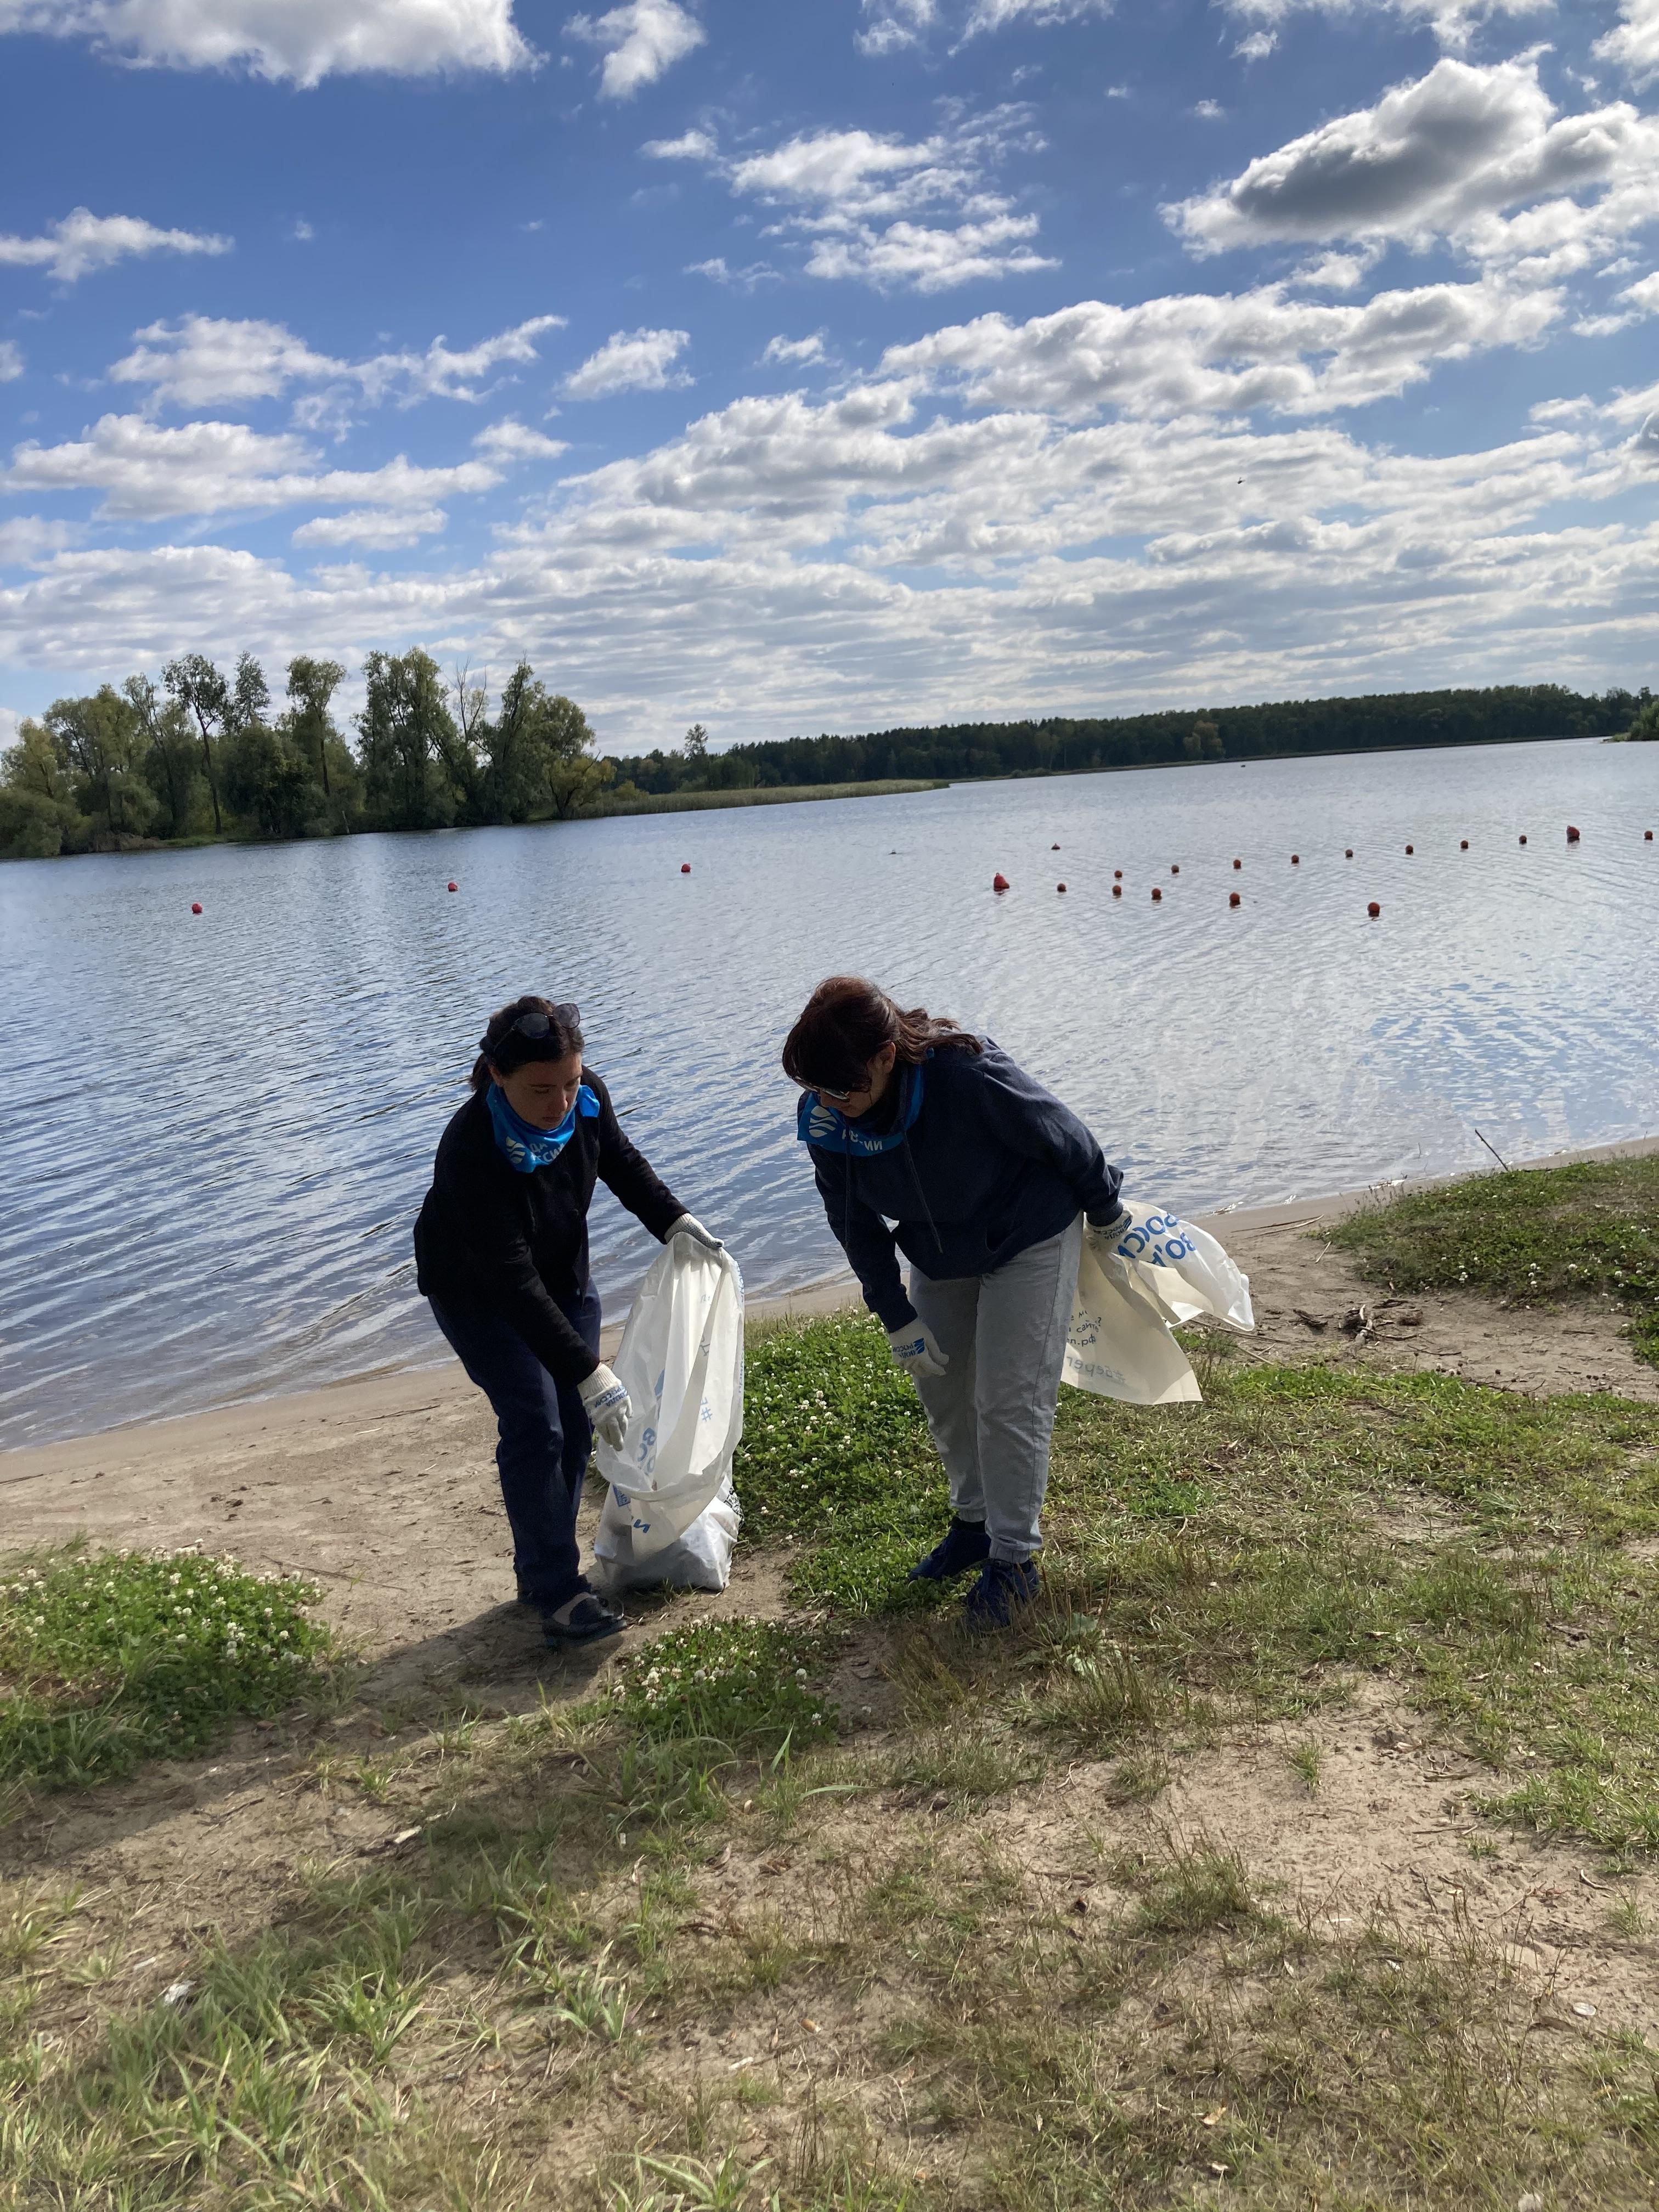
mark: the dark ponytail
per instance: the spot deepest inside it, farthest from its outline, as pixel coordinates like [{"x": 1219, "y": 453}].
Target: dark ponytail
[
  {"x": 845, "y": 1023},
  {"x": 505, "y": 1045}
]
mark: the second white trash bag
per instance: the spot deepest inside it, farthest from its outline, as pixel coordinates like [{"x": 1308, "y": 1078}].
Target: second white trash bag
[
  {"x": 1161, "y": 1271},
  {"x": 671, "y": 1515}
]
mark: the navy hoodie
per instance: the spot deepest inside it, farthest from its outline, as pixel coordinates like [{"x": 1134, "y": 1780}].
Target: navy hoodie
[{"x": 993, "y": 1164}]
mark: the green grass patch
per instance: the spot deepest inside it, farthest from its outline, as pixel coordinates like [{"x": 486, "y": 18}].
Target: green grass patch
[
  {"x": 750, "y": 1685},
  {"x": 107, "y": 1659},
  {"x": 1534, "y": 1236}
]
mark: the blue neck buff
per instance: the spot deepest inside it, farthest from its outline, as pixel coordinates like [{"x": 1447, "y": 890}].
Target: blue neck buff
[
  {"x": 821, "y": 1125},
  {"x": 521, "y": 1144}
]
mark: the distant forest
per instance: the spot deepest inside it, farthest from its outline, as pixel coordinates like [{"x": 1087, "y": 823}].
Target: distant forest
[{"x": 203, "y": 754}]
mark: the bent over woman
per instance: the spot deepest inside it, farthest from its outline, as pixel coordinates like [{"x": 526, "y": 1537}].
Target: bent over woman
[
  {"x": 984, "y": 1174},
  {"x": 500, "y": 1251}
]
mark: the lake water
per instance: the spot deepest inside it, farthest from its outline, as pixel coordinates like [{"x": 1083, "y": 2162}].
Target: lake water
[{"x": 218, "y": 1129}]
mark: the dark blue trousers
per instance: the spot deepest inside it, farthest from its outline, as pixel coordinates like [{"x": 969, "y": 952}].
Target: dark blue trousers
[{"x": 545, "y": 1438}]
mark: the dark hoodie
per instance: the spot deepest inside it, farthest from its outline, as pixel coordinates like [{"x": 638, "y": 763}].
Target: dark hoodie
[{"x": 993, "y": 1164}]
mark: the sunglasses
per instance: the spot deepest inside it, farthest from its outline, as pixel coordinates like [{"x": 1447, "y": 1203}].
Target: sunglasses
[
  {"x": 535, "y": 1024},
  {"x": 840, "y": 1097}
]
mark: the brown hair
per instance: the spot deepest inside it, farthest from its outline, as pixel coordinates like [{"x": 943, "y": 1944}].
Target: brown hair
[
  {"x": 845, "y": 1023},
  {"x": 503, "y": 1046}
]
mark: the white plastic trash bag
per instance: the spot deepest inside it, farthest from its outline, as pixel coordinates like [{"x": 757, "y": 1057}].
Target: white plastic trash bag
[
  {"x": 671, "y": 1514},
  {"x": 1160, "y": 1271}
]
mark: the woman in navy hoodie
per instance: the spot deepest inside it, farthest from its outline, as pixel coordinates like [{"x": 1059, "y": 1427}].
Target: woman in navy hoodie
[{"x": 988, "y": 1180}]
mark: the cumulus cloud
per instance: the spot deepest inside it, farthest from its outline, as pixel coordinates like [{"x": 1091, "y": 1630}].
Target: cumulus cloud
[
  {"x": 1446, "y": 156},
  {"x": 794, "y": 353},
  {"x": 79, "y": 243},
  {"x": 27, "y": 539},
  {"x": 630, "y": 360},
  {"x": 892, "y": 25},
  {"x": 301, "y": 41},
  {"x": 11, "y": 361},
  {"x": 1216, "y": 353},
  {"x": 1633, "y": 45},
  {"x": 853, "y": 199},
  {"x": 1453, "y": 21},
  {"x": 148, "y": 473},
  {"x": 512, "y": 440},
  {"x": 375, "y": 529},
  {"x": 641, "y": 42},
  {"x": 205, "y": 361}
]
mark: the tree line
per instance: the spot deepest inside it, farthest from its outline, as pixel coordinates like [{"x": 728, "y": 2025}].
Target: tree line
[
  {"x": 202, "y": 754},
  {"x": 1055, "y": 743}
]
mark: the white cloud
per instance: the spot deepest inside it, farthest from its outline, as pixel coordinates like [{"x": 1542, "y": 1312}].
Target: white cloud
[
  {"x": 794, "y": 352},
  {"x": 1212, "y": 111},
  {"x": 510, "y": 440},
  {"x": 27, "y": 539},
  {"x": 300, "y": 40},
  {"x": 204, "y": 361},
  {"x": 1633, "y": 45},
  {"x": 1453, "y": 21},
  {"x": 914, "y": 257},
  {"x": 147, "y": 473},
  {"x": 853, "y": 198},
  {"x": 79, "y": 243},
  {"x": 896, "y": 24},
  {"x": 1216, "y": 353},
  {"x": 641, "y": 41},
  {"x": 376, "y": 529},
  {"x": 1444, "y": 156},
  {"x": 720, "y": 271},
  {"x": 11, "y": 361},
  {"x": 690, "y": 146},
  {"x": 1256, "y": 47},
  {"x": 630, "y": 360}
]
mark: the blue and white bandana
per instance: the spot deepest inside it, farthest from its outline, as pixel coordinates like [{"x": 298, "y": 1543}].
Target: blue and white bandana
[
  {"x": 522, "y": 1145},
  {"x": 819, "y": 1124}
]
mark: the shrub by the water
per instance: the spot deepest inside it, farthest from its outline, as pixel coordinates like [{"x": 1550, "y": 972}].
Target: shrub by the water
[{"x": 109, "y": 1658}]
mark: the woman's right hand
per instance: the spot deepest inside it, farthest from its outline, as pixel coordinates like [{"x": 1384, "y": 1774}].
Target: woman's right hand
[
  {"x": 606, "y": 1403},
  {"x": 917, "y": 1351}
]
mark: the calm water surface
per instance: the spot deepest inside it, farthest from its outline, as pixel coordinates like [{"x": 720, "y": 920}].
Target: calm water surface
[{"x": 217, "y": 1131}]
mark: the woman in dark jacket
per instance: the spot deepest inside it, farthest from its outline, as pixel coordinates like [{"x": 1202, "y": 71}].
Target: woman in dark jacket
[
  {"x": 913, "y": 1120},
  {"x": 501, "y": 1250}
]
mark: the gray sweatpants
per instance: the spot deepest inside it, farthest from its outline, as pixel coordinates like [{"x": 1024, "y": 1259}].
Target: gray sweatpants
[{"x": 991, "y": 1412}]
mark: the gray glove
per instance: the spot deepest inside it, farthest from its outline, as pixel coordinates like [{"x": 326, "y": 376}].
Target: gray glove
[
  {"x": 606, "y": 1403},
  {"x": 688, "y": 1226},
  {"x": 917, "y": 1349},
  {"x": 1108, "y": 1224}
]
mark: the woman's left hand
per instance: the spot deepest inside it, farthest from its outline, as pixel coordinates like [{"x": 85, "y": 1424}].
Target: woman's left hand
[{"x": 688, "y": 1226}]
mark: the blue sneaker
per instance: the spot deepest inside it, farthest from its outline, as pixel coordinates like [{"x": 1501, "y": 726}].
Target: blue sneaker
[
  {"x": 1003, "y": 1585},
  {"x": 965, "y": 1545}
]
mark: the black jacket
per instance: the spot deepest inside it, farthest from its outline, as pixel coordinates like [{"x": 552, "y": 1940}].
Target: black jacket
[
  {"x": 994, "y": 1165},
  {"x": 516, "y": 1245}
]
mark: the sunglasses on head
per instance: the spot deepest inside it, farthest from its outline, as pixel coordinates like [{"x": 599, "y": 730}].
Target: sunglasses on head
[{"x": 534, "y": 1025}]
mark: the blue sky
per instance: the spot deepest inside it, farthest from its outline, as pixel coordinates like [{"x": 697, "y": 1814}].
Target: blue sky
[{"x": 833, "y": 364}]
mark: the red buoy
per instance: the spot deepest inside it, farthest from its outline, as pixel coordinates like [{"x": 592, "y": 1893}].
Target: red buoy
[
  {"x": 1295, "y": 859},
  {"x": 1239, "y": 864},
  {"x": 1348, "y": 854},
  {"x": 686, "y": 867},
  {"x": 1156, "y": 894},
  {"x": 1117, "y": 890},
  {"x": 1059, "y": 887},
  {"x": 454, "y": 886},
  {"x": 1373, "y": 910},
  {"x": 998, "y": 881},
  {"x": 1524, "y": 837},
  {"x": 1175, "y": 867},
  {"x": 195, "y": 906},
  {"x": 1572, "y": 834},
  {"x": 1647, "y": 836},
  {"x": 1462, "y": 844},
  {"x": 1053, "y": 848},
  {"x": 1233, "y": 898},
  {"x": 1411, "y": 848},
  {"x": 1117, "y": 873}
]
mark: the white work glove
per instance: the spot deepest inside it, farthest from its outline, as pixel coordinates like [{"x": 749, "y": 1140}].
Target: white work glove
[
  {"x": 917, "y": 1349},
  {"x": 606, "y": 1405},
  {"x": 688, "y": 1226},
  {"x": 1108, "y": 1231}
]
